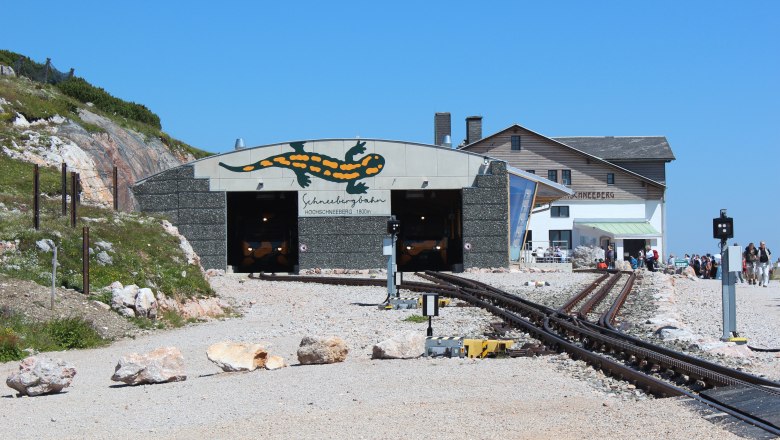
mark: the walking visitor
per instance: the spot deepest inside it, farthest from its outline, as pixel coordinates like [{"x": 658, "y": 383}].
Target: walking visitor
[{"x": 763, "y": 264}]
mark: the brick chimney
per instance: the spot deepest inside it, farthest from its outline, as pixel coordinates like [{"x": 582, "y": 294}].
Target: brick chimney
[
  {"x": 442, "y": 126},
  {"x": 473, "y": 129}
]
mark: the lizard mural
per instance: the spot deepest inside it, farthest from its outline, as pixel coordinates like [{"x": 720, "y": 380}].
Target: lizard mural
[{"x": 325, "y": 167}]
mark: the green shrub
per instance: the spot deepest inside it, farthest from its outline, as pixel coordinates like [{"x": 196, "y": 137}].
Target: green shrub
[
  {"x": 69, "y": 333},
  {"x": 173, "y": 319},
  {"x": 9, "y": 345},
  {"x": 85, "y": 92}
]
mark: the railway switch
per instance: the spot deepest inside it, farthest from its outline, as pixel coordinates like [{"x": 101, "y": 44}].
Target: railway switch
[
  {"x": 444, "y": 346},
  {"x": 462, "y": 347}
]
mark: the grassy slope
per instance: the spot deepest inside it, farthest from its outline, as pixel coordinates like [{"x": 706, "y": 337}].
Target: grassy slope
[
  {"x": 144, "y": 254},
  {"x": 42, "y": 101}
]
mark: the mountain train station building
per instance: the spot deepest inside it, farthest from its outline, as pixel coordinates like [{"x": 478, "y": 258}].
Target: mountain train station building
[{"x": 493, "y": 201}]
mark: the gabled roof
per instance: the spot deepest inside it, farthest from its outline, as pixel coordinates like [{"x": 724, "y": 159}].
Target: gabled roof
[
  {"x": 586, "y": 154},
  {"x": 621, "y": 147}
]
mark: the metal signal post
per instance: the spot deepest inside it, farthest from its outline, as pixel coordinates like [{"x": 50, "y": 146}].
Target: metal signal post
[{"x": 723, "y": 229}]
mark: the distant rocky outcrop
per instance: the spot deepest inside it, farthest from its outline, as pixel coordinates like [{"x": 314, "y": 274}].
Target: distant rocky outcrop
[{"x": 94, "y": 153}]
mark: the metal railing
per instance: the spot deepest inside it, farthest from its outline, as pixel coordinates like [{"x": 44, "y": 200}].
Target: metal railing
[{"x": 555, "y": 251}]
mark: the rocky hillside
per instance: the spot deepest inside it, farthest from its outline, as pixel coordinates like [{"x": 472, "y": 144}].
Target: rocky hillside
[{"x": 40, "y": 124}]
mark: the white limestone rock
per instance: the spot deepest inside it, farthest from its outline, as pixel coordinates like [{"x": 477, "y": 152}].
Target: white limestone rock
[
  {"x": 39, "y": 375},
  {"x": 145, "y": 303},
  {"x": 401, "y": 346},
  {"x": 162, "y": 365},
  {"x": 274, "y": 363},
  {"x": 319, "y": 350},
  {"x": 237, "y": 356},
  {"x": 7, "y": 70},
  {"x": 104, "y": 259}
]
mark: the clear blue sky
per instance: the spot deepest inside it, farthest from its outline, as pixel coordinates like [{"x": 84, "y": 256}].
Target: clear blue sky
[{"x": 704, "y": 74}]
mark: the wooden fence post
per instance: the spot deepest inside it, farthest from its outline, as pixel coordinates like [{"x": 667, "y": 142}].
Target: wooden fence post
[
  {"x": 85, "y": 259},
  {"x": 64, "y": 189},
  {"x": 73, "y": 189},
  {"x": 36, "y": 199}
]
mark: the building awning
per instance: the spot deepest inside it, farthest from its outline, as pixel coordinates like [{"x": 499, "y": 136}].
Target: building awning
[
  {"x": 547, "y": 191},
  {"x": 622, "y": 229}
]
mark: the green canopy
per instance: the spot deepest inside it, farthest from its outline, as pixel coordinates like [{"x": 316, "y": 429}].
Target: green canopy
[{"x": 622, "y": 229}]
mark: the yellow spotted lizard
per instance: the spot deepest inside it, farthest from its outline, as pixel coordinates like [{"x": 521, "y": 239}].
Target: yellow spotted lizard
[{"x": 325, "y": 167}]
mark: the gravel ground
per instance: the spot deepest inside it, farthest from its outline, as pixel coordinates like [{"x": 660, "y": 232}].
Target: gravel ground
[{"x": 359, "y": 398}]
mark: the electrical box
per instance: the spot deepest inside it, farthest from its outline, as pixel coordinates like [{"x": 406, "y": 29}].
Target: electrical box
[
  {"x": 387, "y": 246},
  {"x": 735, "y": 258},
  {"x": 444, "y": 346}
]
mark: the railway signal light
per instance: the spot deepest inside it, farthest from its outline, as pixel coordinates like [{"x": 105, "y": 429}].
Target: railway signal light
[
  {"x": 393, "y": 226},
  {"x": 723, "y": 226}
]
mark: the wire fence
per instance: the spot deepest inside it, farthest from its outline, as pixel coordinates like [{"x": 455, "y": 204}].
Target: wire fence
[{"x": 42, "y": 73}]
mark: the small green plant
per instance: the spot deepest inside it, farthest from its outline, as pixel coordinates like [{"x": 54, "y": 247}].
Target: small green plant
[
  {"x": 146, "y": 323},
  {"x": 415, "y": 319},
  {"x": 103, "y": 295},
  {"x": 9, "y": 345},
  {"x": 173, "y": 319},
  {"x": 18, "y": 334},
  {"x": 69, "y": 333}
]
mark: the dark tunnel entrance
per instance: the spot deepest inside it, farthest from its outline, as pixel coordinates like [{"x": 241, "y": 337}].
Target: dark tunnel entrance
[
  {"x": 431, "y": 235},
  {"x": 262, "y": 231}
]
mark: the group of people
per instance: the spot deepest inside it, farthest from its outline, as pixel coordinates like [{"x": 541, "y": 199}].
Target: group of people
[
  {"x": 756, "y": 265},
  {"x": 705, "y": 266},
  {"x": 646, "y": 258}
]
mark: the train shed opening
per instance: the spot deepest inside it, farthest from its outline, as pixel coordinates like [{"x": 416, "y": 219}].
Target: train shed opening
[
  {"x": 431, "y": 235},
  {"x": 262, "y": 231}
]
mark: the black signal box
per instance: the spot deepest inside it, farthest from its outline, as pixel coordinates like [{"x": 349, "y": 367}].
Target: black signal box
[
  {"x": 393, "y": 226},
  {"x": 723, "y": 227}
]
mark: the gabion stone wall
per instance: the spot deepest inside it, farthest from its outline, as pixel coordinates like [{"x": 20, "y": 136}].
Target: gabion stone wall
[
  {"x": 486, "y": 219},
  {"x": 341, "y": 242},
  {"x": 199, "y": 213}
]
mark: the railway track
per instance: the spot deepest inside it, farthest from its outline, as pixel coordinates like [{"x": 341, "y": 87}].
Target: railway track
[{"x": 657, "y": 370}]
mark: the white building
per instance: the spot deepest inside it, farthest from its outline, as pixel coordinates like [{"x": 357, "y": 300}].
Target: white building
[{"x": 619, "y": 186}]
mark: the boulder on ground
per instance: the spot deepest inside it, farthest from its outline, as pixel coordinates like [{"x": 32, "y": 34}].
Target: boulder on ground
[
  {"x": 317, "y": 350},
  {"x": 162, "y": 365},
  {"x": 237, "y": 356},
  {"x": 123, "y": 296},
  {"x": 6, "y": 70},
  {"x": 274, "y": 363},
  {"x": 402, "y": 346},
  {"x": 583, "y": 257},
  {"x": 145, "y": 303},
  {"x": 689, "y": 273},
  {"x": 41, "y": 375}
]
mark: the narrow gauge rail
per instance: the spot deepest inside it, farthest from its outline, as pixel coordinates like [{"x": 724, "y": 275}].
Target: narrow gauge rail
[{"x": 617, "y": 354}]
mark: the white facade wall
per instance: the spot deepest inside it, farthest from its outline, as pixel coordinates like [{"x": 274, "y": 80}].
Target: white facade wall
[{"x": 651, "y": 211}]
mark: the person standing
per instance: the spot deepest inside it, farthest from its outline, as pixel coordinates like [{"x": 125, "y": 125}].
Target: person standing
[
  {"x": 650, "y": 258},
  {"x": 640, "y": 259},
  {"x": 751, "y": 259},
  {"x": 764, "y": 263},
  {"x": 610, "y": 257}
]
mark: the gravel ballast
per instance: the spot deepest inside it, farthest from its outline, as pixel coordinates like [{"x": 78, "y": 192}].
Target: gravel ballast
[{"x": 543, "y": 397}]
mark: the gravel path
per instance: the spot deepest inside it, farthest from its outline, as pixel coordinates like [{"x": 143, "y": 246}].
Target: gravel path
[{"x": 359, "y": 398}]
